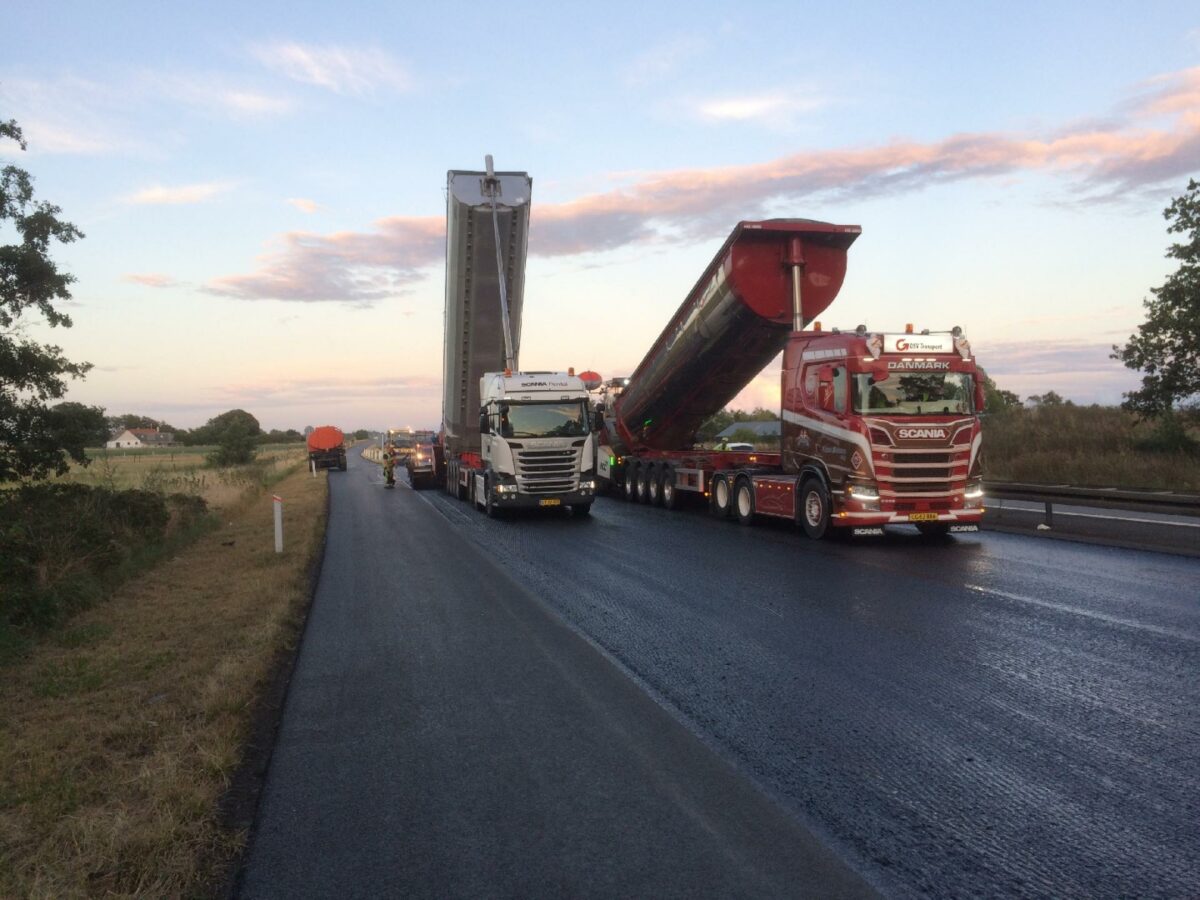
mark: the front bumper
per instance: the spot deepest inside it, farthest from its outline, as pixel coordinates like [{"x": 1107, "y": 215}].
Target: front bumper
[
  {"x": 534, "y": 501},
  {"x": 874, "y": 519}
]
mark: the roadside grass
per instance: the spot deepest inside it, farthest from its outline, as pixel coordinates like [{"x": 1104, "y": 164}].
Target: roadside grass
[
  {"x": 185, "y": 470},
  {"x": 119, "y": 732},
  {"x": 1096, "y": 446}
]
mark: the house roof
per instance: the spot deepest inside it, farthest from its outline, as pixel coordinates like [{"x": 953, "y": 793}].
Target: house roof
[{"x": 762, "y": 429}]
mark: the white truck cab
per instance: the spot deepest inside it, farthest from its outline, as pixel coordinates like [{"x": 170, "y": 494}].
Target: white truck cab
[{"x": 537, "y": 443}]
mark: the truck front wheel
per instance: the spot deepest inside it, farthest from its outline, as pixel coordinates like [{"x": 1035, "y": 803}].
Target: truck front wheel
[{"x": 814, "y": 508}]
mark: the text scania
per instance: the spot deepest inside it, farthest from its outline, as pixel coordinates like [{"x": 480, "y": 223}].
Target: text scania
[{"x": 927, "y": 433}]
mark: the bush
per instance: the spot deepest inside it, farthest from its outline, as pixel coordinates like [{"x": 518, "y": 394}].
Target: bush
[{"x": 62, "y": 546}]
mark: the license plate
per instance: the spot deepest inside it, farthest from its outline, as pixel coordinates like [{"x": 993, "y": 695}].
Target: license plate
[
  {"x": 923, "y": 517},
  {"x": 552, "y": 501}
]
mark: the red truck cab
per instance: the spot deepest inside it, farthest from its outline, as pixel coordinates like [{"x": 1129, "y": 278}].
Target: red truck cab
[{"x": 886, "y": 429}]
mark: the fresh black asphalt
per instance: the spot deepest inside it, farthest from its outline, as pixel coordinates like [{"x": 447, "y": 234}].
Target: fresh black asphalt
[{"x": 447, "y": 735}]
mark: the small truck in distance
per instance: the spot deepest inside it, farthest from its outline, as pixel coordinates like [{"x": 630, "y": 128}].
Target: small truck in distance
[{"x": 327, "y": 447}]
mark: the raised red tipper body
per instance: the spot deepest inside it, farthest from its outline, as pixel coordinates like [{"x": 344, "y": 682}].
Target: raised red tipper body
[{"x": 877, "y": 428}]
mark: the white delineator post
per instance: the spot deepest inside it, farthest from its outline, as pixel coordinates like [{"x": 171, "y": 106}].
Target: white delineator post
[
  {"x": 278, "y": 502},
  {"x": 312, "y": 464}
]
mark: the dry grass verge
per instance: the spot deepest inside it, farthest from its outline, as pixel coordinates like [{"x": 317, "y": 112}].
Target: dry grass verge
[{"x": 118, "y": 736}]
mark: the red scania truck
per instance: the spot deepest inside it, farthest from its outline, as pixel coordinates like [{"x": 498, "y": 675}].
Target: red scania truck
[{"x": 876, "y": 428}]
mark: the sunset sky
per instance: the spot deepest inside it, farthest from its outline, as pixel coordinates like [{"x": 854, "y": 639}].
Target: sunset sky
[{"x": 261, "y": 185}]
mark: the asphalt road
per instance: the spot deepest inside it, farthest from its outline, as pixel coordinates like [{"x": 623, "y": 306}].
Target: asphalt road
[
  {"x": 995, "y": 715},
  {"x": 446, "y": 735}
]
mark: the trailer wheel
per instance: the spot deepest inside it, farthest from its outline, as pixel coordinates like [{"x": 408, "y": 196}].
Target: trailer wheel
[
  {"x": 643, "y": 484},
  {"x": 450, "y": 480},
  {"x": 460, "y": 490},
  {"x": 629, "y": 487},
  {"x": 654, "y": 486},
  {"x": 743, "y": 495},
  {"x": 670, "y": 497},
  {"x": 721, "y": 502},
  {"x": 814, "y": 508}
]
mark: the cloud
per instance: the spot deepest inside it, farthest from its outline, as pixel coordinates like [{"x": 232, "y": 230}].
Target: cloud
[
  {"x": 1082, "y": 372},
  {"x": 343, "y": 70},
  {"x": 150, "y": 279},
  {"x": 1153, "y": 139},
  {"x": 327, "y": 390},
  {"x": 348, "y": 266},
  {"x": 303, "y": 204},
  {"x": 769, "y": 108},
  {"x": 662, "y": 61},
  {"x": 179, "y": 194}
]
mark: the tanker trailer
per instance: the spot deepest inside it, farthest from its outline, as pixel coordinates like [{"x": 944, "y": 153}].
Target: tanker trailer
[{"x": 327, "y": 447}]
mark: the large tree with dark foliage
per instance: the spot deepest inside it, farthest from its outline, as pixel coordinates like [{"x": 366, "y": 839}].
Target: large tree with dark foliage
[
  {"x": 35, "y": 439},
  {"x": 1167, "y": 345}
]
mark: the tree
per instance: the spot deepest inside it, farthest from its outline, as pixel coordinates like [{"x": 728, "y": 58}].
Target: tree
[
  {"x": 129, "y": 420},
  {"x": 362, "y": 435},
  {"x": 1167, "y": 345},
  {"x": 234, "y": 432},
  {"x": 998, "y": 400},
  {"x": 1050, "y": 398},
  {"x": 34, "y": 441}
]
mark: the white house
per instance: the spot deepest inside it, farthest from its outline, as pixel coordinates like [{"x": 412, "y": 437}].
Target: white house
[{"x": 141, "y": 437}]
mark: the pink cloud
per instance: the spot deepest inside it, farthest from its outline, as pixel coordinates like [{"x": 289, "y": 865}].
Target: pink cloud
[
  {"x": 150, "y": 279},
  {"x": 351, "y": 266},
  {"x": 1104, "y": 158}
]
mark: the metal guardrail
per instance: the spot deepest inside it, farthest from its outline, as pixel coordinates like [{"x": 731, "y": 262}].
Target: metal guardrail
[{"x": 1162, "y": 502}]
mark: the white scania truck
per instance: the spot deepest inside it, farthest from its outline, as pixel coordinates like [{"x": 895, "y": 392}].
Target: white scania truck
[{"x": 509, "y": 438}]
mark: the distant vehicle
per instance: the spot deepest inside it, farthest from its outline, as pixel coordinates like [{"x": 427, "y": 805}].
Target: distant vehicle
[
  {"x": 327, "y": 447},
  {"x": 877, "y": 428},
  {"x": 421, "y": 461}
]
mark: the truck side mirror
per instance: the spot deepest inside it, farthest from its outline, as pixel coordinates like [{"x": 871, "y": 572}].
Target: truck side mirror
[
  {"x": 483, "y": 422},
  {"x": 980, "y": 397}
]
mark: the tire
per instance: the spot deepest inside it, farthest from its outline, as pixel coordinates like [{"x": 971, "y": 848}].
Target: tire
[
  {"x": 489, "y": 503},
  {"x": 814, "y": 508},
  {"x": 934, "y": 531},
  {"x": 581, "y": 510},
  {"x": 721, "y": 501},
  {"x": 629, "y": 486},
  {"x": 654, "y": 486},
  {"x": 670, "y": 496},
  {"x": 743, "y": 501},
  {"x": 644, "y": 474},
  {"x": 451, "y": 485}
]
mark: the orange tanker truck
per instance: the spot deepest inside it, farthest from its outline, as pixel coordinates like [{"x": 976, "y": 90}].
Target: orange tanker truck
[{"x": 327, "y": 447}]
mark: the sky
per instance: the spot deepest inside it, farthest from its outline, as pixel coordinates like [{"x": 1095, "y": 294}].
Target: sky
[{"x": 261, "y": 186}]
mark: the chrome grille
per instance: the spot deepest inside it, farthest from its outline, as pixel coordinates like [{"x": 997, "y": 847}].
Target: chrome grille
[{"x": 548, "y": 471}]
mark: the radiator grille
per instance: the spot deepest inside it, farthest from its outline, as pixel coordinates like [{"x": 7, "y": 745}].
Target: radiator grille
[{"x": 548, "y": 471}]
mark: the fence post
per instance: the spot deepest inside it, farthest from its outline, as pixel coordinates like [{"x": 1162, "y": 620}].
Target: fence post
[{"x": 278, "y": 502}]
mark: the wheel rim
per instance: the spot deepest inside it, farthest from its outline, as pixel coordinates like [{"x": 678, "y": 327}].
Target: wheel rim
[
  {"x": 652, "y": 489},
  {"x": 630, "y": 485},
  {"x": 743, "y": 500},
  {"x": 668, "y": 489},
  {"x": 722, "y": 489},
  {"x": 814, "y": 509}
]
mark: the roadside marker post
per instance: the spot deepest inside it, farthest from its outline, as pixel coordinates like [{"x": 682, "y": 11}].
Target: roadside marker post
[
  {"x": 278, "y": 503},
  {"x": 312, "y": 464}
]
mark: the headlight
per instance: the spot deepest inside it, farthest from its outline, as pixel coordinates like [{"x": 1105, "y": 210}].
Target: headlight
[
  {"x": 863, "y": 492},
  {"x": 506, "y": 489},
  {"x": 587, "y": 484},
  {"x": 974, "y": 492}
]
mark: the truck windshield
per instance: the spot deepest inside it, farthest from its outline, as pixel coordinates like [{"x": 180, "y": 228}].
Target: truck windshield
[
  {"x": 914, "y": 394},
  {"x": 565, "y": 419}
]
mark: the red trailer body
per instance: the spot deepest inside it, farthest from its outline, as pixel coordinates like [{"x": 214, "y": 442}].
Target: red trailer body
[{"x": 327, "y": 447}]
